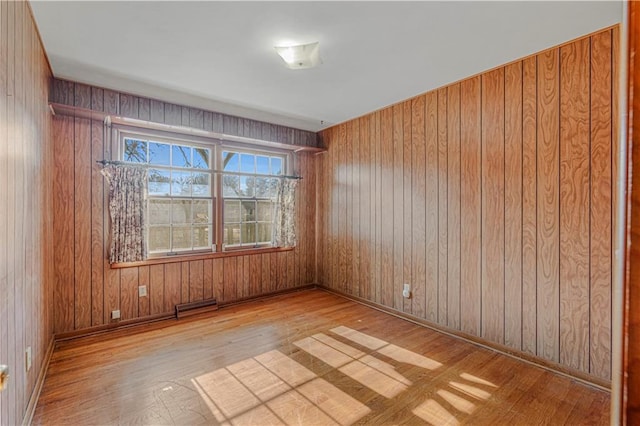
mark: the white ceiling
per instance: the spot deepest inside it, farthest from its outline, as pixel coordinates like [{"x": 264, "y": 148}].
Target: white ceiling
[{"x": 220, "y": 55}]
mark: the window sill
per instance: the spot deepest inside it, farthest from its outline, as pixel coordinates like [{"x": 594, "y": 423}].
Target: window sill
[{"x": 201, "y": 256}]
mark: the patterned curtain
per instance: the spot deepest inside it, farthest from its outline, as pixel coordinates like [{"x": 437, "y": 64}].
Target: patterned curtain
[
  {"x": 284, "y": 226},
  {"x": 127, "y": 208}
]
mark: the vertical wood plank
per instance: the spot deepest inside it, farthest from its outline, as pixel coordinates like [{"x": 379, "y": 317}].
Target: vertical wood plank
[
  {"x": 196, "y": 281},
  {"x": 172, "y": 286},
  {"x": 418, "y": 207},
  {"x": 355, "y": 207},
  {"x": 144, "y": 109},
  {"x": 265, "y": 273},
  {"x": 129, "y": 293},
  {"x": 407, "y": 201},
  {"x": 453, "y": 206},
  {"x": 63, "y": 223},
  {"x": 111, "y": 102},
  {"x": 367, "y": 241},
  {"x": 442, "y": 207},
  {"x": 218, "y": 279},
  {"x": 470, "y": 206},
  {"x": 255, "y": 269},
  {"x": 82, "y": 95},
  {"x": 575, "y": 189},
  {"x": 230, "y": 277},
  {"x": 97, "y": 225},
  {"x": 348, "y": 207},
  {"x": 184, "y": 282},
  {"x": 208, "y": 279},
  {"x": 82, "y": 223},
  {"x": 602, "y": 97},
  {"x": 513, "y": 206},
  {"x": 493, "y": 205},
  {"x": 529, "y": 205},
  {"x": 143, "y": 302},
  {"x": 387, "y": 201},
  {"x": 548, "y": 267},
  {"x": 128, "y": 105},
  {"x": 156, "y": 290},
  {"x": 432, "y": 172},
  {"x": 379, "y": 171},
  {"x": 398, "y": 205},
  {"x": 157, "y": 111}
]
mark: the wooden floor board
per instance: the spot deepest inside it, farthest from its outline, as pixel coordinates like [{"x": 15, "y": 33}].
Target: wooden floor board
[{"x": 308, "y": 353}]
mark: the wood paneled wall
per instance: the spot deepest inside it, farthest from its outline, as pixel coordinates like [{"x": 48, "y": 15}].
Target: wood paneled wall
[
  {"x": 493, "y": 198},
  {"x": 130, "y": 106},
  {"x": 630, "y": 410},
  {"x": 25, "y": 207},
  {"x": 88, "y": 289}
]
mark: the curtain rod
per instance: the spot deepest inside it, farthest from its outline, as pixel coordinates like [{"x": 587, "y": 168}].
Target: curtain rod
[{"x": 146, "y": 166}]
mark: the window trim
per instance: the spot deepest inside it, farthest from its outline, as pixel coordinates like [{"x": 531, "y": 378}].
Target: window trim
[{"x": 217, "y": 146}]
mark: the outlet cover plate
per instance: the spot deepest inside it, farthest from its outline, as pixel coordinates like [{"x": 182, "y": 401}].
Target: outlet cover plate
[
  {"x": 142, "y": 291},
  {"x": 115, "y": 314}
]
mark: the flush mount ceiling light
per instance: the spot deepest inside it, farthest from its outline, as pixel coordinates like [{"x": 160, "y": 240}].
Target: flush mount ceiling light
[{"x": 300, "y": 56}]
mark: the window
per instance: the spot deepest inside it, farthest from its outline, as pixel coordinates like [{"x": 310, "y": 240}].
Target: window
[
  {"x": 184, "y": 178},
  {"x": 249, "y": 185}
]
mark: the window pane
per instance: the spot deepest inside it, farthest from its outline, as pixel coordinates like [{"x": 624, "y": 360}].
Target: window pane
[
  {"x": 265, "y": 187},
  {"x": 201, "y": 236},
  {"x": 263, "y": 164},
  {"x": 135, "y": 151},
  {"x": 247, "y": 185},
  {"x": 248, "y": 233},
  {"x": 201, "y": 185},
  {"x": 230, "y": 186},
  {"x": 276, "y": 166},
  {"x": 248, "y": 211},
  {"x": 159, "y": 182},
  {"x": 201, "y": 158},
  {"x": 231, "y": 211},
  {"x": 232, "y": 234},
  {"x": 181, "y": 156},
  {"x": 159, "y": 212},
  {"x": 265, "y": 211},
  {"x": 159, "y": 239},
  {"x": 159, "y": 153},
  {"x": 181, "y": 183},
  {"x": 201, "y": 211},
  {"x": 230, "y": 161},
  {"x": 264, "y": 232},
  {"x": 181, "y": 211},
  {"x": 247, "y": 163},
  {"x": 181, "y": 237}
]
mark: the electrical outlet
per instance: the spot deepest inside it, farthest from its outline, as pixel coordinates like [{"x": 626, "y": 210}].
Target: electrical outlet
[
  {"x": 28, "y": 358},
  {"x": 142, "y": 291},
  {"x": 406, "y": 291},
  {"x": 115, "y": 314}
]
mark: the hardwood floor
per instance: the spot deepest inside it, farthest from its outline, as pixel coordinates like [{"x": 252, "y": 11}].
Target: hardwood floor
[{"x": 304, "y": 358}]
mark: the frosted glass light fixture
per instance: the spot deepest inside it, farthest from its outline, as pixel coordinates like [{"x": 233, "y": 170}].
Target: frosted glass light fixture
[{"x": 300, "y": 56}]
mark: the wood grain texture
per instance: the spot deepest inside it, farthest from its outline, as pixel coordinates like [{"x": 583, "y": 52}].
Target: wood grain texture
[
  {"x": 630, "y": 413},
  {"x": 529, "y": 205},
  {"x": 27, "y": 184},
  {"x": 443, "y": 217},
  {"x": 63, "y": 223},
  {"x": 493, "y": 205},
  {"x": 453, "y": 206},
  {"x": 407, "y": 197},
  {"x": 387, "y": 285},
  {"x": 418, "y": 207},
  {"x": 513, "y": 212},
  {"x": 97, "y": 225},
  {"x": 548, "y": 198},
  {"x": 602, "y": 96},
  {"x": 398, "y": 205},
  {"x": 251, "y": 359},
  {"x": 470, "y": 207},
  {"x": 82, "y": 222},
  {"x": 431, "y": 208},
  {"x": 575, "y": 189}
]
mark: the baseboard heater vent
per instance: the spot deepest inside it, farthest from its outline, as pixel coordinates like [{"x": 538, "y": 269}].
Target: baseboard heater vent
[{"x": 194, "y": 308}]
